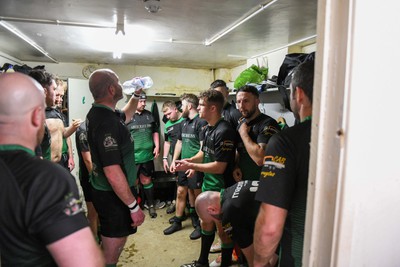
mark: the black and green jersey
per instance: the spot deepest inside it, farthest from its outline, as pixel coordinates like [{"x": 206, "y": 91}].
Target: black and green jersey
[
  {"x": 39, "y": 206},
  {"x": 192, "y": 132},
  {"x": 283, "y": 183},
  {"x": 82, "y": 146},
  {"x": 261, "y": 130},
  {"x": 219, "y": 145},
  {"x": 231, "y": 114},
  {"x": 172, "y": 131},
  {"x": 142, "y": 126},
  {"x": 239, "y": 211},
  {"x": 110, "y": 144}
]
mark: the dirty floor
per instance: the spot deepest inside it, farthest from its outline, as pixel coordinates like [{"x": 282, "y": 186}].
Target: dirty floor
[{"x": 149, "y": 247}]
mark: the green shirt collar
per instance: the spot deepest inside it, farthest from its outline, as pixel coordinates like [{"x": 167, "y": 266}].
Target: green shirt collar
[
  {"x": 101, "y": 106},
  {"x": 16, "y": 147},
  {"x": 308, "y": 118}
]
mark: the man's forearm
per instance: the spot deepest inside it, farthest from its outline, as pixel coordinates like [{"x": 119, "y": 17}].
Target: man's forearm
[
  {"x": 267, "y": 233},
  {"x": 178, "y": 149},
  {"x": 256, "y": 151},
  {"x": 119, "y": 183},
  {"x": 130, "y": 108}
]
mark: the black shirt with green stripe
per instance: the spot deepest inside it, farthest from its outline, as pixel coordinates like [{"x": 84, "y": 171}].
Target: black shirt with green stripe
[
  {"x": 261, "y": 129},
  {"x": 110, "y": 144},
  {"x": 219, "y": 145},
  {"x": 239, "y": 211},
  {"x": 283, "y": 183},
  {"x": 172, "y": 131},
  {"x": 39, "y": 206},
  {"x": 192, "y": 132}
]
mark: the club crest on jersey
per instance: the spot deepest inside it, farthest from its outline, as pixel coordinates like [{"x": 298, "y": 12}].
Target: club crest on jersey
[
  {"x": 82, "y": 137},
  {"x": 110, "y": 142},
  {"x": 73, "y": 205}
]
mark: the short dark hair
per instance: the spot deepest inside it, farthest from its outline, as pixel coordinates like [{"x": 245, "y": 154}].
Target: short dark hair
[
  {"x": 218, "y": 83},
  {"x": 44, "y": 78},
  {"x": 191, "y": 98},
  {"x": 213, "y": 97},
  {"x": 303, "y": 77},
  {"x": 249, "y": 89}
]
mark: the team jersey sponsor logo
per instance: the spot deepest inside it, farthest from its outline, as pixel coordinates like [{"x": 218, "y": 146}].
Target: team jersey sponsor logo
[
  {"x": 269, "y": 130},
  {"x": 110, "y": 142},
  {"x": 142, "y": 126},
  {"x": 227, "y": 145},
  {"x": 188, "y": 135},
  {"x": 271, "y": 163},
  {"x": 73, "y": 205}
]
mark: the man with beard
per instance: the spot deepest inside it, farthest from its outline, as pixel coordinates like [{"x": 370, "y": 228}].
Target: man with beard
[
  {"x": 189, "y": 182},
  {"x": 255, "y": 129},
  {"x": 284, "y": 180},
  {"x": 67, "y": 157},
  {"x": 113, "y": 157},
  {"x": 42, "y": 220},
  {"x": 144, "y": 132}
]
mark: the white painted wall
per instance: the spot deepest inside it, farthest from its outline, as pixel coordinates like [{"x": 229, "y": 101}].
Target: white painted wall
[
  {"x": 354, "y": 202},
  {"x": 368, "y": 230}
]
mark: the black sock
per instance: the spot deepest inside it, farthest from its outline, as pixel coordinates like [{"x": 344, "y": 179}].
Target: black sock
[
  {"x": 149, "y": 192},
  {"x": 207, "y": 238},
  {"x": 226, "y": 257}
]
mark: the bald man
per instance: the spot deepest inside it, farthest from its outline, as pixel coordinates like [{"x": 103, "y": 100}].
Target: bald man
[
  {"x": 42, "y": 221},
  {"x": 113, "y": 157},
  {"x": 236, "y": 208}
]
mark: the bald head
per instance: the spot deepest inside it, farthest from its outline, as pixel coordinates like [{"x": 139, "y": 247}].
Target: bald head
[
  {"x": 208, "y": 205},
  {"x": 21, "y": 110},
  {"x": 99, "y": 81},
  {"x": 18, "y": 94}
]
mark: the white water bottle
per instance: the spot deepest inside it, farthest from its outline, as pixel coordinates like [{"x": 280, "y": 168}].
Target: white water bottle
[{"x": 132, "y": 86}]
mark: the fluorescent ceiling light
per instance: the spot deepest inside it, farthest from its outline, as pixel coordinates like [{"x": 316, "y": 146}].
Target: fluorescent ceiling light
[
  {"x": 15, "y": 31},
  {"x": 238, "y": 23},
  {"x": 135, "y": 40},
  {"x": 282, "y": 47}
]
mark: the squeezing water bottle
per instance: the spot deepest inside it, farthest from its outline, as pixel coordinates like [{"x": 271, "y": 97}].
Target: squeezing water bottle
[{"x": 132, "y": 86}]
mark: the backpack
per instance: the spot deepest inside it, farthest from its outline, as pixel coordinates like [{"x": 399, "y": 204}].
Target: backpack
[{"x": 286, "y": 70}]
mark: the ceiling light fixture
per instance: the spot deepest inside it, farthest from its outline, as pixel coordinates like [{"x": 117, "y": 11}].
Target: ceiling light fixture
[
  {"x": 153, "y": 6},
  {"x": 120, "y": 28},
  {"x": 119, "y": 40},
  {"x": 238, "y": 23},
  {"x": 15, "y": 31},
  {"x": 282, "y": 47}
]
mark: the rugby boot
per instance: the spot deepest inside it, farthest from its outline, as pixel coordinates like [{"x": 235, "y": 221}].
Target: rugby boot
[{"x": 174, "y": 227}]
